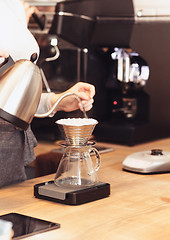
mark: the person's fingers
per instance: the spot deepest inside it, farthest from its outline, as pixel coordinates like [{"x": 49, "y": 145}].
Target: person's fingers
[
  {"x": 87, "y": 105},
  {"x": 88, "y": 89},
  {"x": 92, "y": 91}
]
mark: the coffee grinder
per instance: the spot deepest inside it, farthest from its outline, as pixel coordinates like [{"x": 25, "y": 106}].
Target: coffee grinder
[
  {"x": 76, "y": 180},
  {"x": 100, "y": 26},
  {"x": 125, "y": 104}
]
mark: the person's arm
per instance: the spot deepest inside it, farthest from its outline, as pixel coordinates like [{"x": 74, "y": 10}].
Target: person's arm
[{"x": 85, "y": 91}]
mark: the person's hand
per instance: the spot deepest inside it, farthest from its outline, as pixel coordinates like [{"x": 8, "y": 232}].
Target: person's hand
[{"x": 85, "y": 91}]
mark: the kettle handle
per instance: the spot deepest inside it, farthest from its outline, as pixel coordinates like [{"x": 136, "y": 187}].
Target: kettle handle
[{"x": 4, "y": 62}]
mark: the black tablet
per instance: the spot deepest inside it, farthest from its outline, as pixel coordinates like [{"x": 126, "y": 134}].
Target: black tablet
[{"x": 25, "y": 226}]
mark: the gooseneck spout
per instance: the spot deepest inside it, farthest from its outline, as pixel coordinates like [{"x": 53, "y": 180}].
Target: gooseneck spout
[
  {"x": 43, "y": 115},
  {"x": 20, "y": 91}
]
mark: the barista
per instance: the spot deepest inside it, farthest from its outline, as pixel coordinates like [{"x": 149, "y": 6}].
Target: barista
[{"x": 16, "y": 148}]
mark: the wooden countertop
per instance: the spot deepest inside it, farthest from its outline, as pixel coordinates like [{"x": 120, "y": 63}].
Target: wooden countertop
[{"x": 137, "y": 209}]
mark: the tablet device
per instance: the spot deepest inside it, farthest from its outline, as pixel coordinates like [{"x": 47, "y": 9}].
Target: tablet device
[{"x": 24, "y": 226}]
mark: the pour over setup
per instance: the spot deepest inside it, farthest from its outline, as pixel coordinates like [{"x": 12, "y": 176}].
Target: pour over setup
[
  {"x": 76, "y": 181},
  {"x": 122, "y": 106},
  {"x": 122, "y": 48},
  {"x": 76, "y": 168},
  {"x": 121, "y": 194},
  {"x": 75, "y": 172}
]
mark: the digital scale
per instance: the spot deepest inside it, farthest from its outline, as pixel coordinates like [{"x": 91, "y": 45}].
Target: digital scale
[
  {"x": 49, "y": 191},
  {"x": 154, "y": 161}
]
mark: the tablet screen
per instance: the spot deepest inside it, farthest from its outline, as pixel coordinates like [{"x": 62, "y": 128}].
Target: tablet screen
[{"x": 25, "y": 226}]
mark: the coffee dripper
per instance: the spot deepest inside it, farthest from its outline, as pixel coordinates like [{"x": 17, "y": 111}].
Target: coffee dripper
[
  {"x": 76, "y": 180},
  {"x": 76, "y": 169}
]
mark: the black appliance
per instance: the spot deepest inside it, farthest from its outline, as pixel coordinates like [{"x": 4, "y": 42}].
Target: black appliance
[{"x": 139, "y": 29}]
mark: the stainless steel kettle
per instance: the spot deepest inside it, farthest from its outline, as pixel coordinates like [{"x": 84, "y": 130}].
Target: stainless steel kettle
[{"x": 20, "y": 92}]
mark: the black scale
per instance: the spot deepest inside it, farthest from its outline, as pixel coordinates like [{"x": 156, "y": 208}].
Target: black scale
[{"x": 49, "y": 191}]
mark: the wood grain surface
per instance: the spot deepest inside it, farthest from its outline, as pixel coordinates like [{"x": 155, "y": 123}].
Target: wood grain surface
[{"x": 137, "y": 209}]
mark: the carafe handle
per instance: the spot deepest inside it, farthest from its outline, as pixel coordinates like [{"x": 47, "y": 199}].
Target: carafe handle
[{"x": 97, "y": 157}]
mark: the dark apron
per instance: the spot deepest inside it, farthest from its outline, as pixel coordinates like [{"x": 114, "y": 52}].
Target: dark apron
[{"x": 16, "y": 151}]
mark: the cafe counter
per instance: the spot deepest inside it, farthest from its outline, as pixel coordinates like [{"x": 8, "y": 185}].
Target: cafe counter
[{"x": 138, "y": 207}]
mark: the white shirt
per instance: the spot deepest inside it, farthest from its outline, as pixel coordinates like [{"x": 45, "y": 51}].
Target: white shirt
[{"x": 16, "y": 39}]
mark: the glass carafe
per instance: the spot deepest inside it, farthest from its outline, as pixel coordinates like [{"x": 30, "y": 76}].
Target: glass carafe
[{"x": 76, "y": 169}]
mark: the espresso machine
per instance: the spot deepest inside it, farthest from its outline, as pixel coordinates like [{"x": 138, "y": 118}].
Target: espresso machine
[{"x": 125, "y": 54}]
